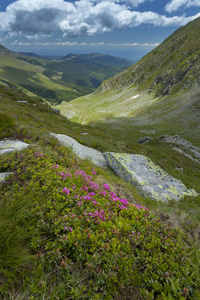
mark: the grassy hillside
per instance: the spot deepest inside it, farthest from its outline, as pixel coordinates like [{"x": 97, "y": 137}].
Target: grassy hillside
[
  {"x": 171, "y": 67},
  {"x": 68, "y": 230},
  {"x": 58, "y": 80},
  {"x": 160, "y": 92}
]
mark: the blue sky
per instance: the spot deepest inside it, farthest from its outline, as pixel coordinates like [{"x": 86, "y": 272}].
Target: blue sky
[{"x": 128, "y": 28}]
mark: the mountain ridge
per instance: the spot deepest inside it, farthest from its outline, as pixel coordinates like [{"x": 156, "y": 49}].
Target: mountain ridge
[
  {"x": 4, "y": 50},
  {"x": 165, "y": 80},
  {"x": 159, "y": 90},
  {"x": 56, "y": 80}
]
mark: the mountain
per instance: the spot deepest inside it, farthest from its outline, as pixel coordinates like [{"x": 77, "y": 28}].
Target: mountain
[
  {"x": 96, "y": 58},
  {"x": 4, "y": 50},
  {"x": 172, "y": 66},
  {"x": 57, "y": 80},
  {"x": 47, "y": 57},
  {"x": 161, "y": 91}
]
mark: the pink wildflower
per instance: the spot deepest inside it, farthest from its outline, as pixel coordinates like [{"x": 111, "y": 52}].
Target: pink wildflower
[
  {"x": 67, "y": 191},
  {"x": 106, "y": 186}
]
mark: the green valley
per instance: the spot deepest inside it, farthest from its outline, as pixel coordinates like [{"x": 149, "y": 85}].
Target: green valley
[{"x": 58, "y": 80}]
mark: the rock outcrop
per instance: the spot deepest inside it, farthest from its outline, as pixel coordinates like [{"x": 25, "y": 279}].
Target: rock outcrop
[
  {"x": 81, "y": 151},
  {"x": 3, "y": 176},
  {"x": 7, "y": 146},
  {"x": 152, "y": 180},
  {"x": 183, "y": 146},
  {"x": 145, "y": 139}
]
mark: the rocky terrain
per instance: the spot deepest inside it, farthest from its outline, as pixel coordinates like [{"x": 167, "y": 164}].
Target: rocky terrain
[{"x": 137, "y": 169}]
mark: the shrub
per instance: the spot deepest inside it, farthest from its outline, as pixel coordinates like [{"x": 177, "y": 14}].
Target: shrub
[{"x": 87, "y": 243}]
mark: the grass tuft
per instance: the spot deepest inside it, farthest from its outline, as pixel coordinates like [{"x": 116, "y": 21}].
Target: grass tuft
[{"x": 7, "y": 125}]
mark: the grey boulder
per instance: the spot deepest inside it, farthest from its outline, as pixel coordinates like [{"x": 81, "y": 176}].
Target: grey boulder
[
  {"x": 4, "y": 175},
  {"x": 183, "y": 146},
  {"x": 151, "y": 179},
  {"x": 145, "y": 139},
  {"x": 83, "y": 152},
  {"x": 7, "y": 146}
]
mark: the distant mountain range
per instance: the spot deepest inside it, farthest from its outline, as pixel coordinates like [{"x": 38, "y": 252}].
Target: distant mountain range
[
  {"x": 47, "y": 57},
  {"x": 57, "y": 80},
  {"x": 161, "y": 90},
  {"x": 97, "y": 59}
]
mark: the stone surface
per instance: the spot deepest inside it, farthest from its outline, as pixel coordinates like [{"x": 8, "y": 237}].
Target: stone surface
[
  {"x": 152, "y": 180},
  {"x": 144, "y": 139},
  {"x": 4, "y": 175},
  {"x": 81, "y": 151},
  {"x": 24, "y": 102},
  {"x": 183, "y": 146},
  {"x": 7, "y": 146},
  {"x": 56, "y": 110}
]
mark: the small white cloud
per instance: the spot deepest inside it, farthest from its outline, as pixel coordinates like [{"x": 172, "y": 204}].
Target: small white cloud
[{"x": 175, "y": 5}]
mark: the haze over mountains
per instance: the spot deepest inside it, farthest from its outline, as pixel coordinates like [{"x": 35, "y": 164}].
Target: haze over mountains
[
  {"x": 162, "y": 88},
  {"x": 57, "y": 80}
]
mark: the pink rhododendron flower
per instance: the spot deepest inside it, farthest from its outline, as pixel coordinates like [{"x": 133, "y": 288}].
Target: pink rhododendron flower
[
  {"x": 106, "y": 186},
  {"x": 67, "y": 191}
]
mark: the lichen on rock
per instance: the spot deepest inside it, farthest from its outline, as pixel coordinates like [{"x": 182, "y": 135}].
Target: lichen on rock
[
  {"x": 151, "y": 179},
  {"x": 7, "y": 146}
]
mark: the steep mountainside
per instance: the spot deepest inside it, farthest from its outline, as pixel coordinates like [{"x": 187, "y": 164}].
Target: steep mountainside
[
  {"x": 162, "y": 90},
  {"x": 57, "y": 80},
  {"x": 172, "y": 66}
]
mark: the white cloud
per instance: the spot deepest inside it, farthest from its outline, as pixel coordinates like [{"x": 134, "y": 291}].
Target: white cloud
[
  {"x": 175, "y": 5},
  {"x": 134, "y": 3},
  {"x": 83, "y": 17},
  {"x": 75, "y": 44}
]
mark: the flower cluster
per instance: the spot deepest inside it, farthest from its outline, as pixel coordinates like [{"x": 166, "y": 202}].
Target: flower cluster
[{"x": 80, "y": 222}]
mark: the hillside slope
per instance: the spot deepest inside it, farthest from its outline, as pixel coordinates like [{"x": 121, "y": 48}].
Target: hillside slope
[
  {"x": 70, "y": 230},
  {"x": 162, "y": 90},
  {"x": 172, "y": 66},
  {"x": 58, "y": 80}
]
